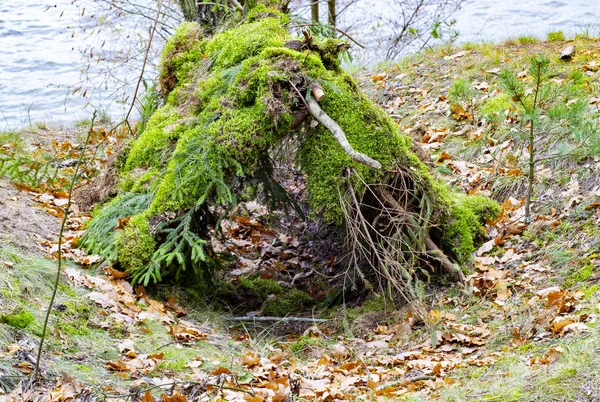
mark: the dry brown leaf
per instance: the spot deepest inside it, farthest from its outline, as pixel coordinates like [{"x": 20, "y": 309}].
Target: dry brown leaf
[
  {"x": 115, "y": 273},
  {"x": 220, "y": 370},
  {"x": 24, "y": 367},
  {"x": 250, "y": 359},
  {"x": 148, "y": 397}
]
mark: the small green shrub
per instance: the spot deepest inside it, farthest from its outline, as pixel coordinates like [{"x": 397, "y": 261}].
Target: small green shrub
[{"x": 21, "y": 320}]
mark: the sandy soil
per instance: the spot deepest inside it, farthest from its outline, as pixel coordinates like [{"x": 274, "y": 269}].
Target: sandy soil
[{"x": 22, "y": 223}]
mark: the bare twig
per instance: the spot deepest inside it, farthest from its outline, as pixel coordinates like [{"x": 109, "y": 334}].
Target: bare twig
[
  {"x": 335, "y": 28},
  {"x": 338, "y": 133},
  {"x": 282, "y": 319},
  {"x": 405, "y": 381}
]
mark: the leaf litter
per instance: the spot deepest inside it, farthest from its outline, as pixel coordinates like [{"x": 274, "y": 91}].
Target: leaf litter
[{"x": 509, "y": 277}]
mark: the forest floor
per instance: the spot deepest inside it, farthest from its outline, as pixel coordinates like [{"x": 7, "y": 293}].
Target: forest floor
[{"x": 524, "y": 328}]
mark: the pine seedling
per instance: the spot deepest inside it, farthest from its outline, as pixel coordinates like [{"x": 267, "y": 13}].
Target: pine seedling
[{"x": 552, "y": 114}]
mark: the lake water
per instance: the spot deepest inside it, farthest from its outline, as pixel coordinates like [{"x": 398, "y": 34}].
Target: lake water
[{"x": 41, "y": 43}]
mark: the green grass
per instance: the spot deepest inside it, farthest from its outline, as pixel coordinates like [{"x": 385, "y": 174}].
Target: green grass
[
  {"x": 80, "y": 340},
  {"x": 555, "y": 36},
  {"x": 11, "y": 141},
  {"x": 527, "y": 39},
  {"x": 574, "y": 376}
]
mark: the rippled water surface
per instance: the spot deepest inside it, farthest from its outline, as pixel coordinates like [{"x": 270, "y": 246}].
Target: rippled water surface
[
  {"x": 40, "y": 62},
  {"x": 499, "y": 19}
]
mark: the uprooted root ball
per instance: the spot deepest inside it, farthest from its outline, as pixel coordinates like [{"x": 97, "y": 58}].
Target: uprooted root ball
[{"x": 232, "y": 99}]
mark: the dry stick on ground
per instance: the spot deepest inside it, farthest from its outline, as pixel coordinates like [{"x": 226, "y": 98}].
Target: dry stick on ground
[
  {"x": 74, "y": 179},
  {"x": 338, "y": 133},
  {"x": 282, "y": 319}
]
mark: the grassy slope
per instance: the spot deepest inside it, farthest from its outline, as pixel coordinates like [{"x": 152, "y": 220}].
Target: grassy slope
[
  {"x": 82, "y": 338},
  {"x": 418, "y": 92},
  {"x": 414, "y": 92}
]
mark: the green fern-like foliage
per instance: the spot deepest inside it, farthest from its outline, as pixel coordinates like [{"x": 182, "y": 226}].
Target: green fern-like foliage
[{"x": 100, "y": 235}]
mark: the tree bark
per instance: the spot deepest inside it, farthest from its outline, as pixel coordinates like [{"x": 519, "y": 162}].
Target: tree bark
[
  {"x": 332, "y": 14},
  {"x": 314, "y": 11}
]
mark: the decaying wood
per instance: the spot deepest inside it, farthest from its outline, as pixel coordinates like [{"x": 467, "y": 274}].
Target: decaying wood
[
  {"x": 567, "y": 53},
  {"x": 283, "y": 319},
  {"x": 338, "y": 133},
  {"x": 452, "y": 269},
  {"x": 317, "y": 91},
  {"x": 294, "y": 45},
  {"x": 299, "y": 117}
]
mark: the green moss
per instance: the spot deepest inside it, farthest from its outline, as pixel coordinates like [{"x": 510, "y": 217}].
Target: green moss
[
  {"x": 153, "y": 148},
  {"x": 580, "y": 275},
  {"x": 262, "y": 287},
  {"x": 494, "y": 109},
  {"x": 180, "y": 55},
  {"x": 368, "y": 129},
  {"x": 290, "y": 302},
  {"x": 20, "y": 320},
  {"x": 468, "y": 216},
  {"x": 235, "y": 45},
  {"x": 135, "y": 244}
]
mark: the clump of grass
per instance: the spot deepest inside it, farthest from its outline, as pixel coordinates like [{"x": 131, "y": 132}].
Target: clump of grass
[
  {"x": 555, "y": 36},
  {"x": 527, "y": 39},
  {"x": 460, "y": 91}
]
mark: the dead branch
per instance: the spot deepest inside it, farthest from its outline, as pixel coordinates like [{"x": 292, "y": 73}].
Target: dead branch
[
  {"x": 338, "y": 133},
  {"x": 282, "y": 319},
  {"x": 317, "y": 91},
  {"x": 448, "y": 266},
  {"x": 434, "y": 251}
]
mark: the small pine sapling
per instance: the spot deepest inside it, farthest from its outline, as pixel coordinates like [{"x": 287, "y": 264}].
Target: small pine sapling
[{"x": 554, "y": 116}]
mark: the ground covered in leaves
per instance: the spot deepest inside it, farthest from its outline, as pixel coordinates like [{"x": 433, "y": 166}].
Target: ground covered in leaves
[{"x": 524, "y": 327}]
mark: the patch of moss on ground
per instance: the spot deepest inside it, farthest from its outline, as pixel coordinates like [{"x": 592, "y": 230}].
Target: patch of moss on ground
[
  {"x": 292, "y": 301},
  {"x": 19, "y": 320},
  {"x": 262, "y": 287}
]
